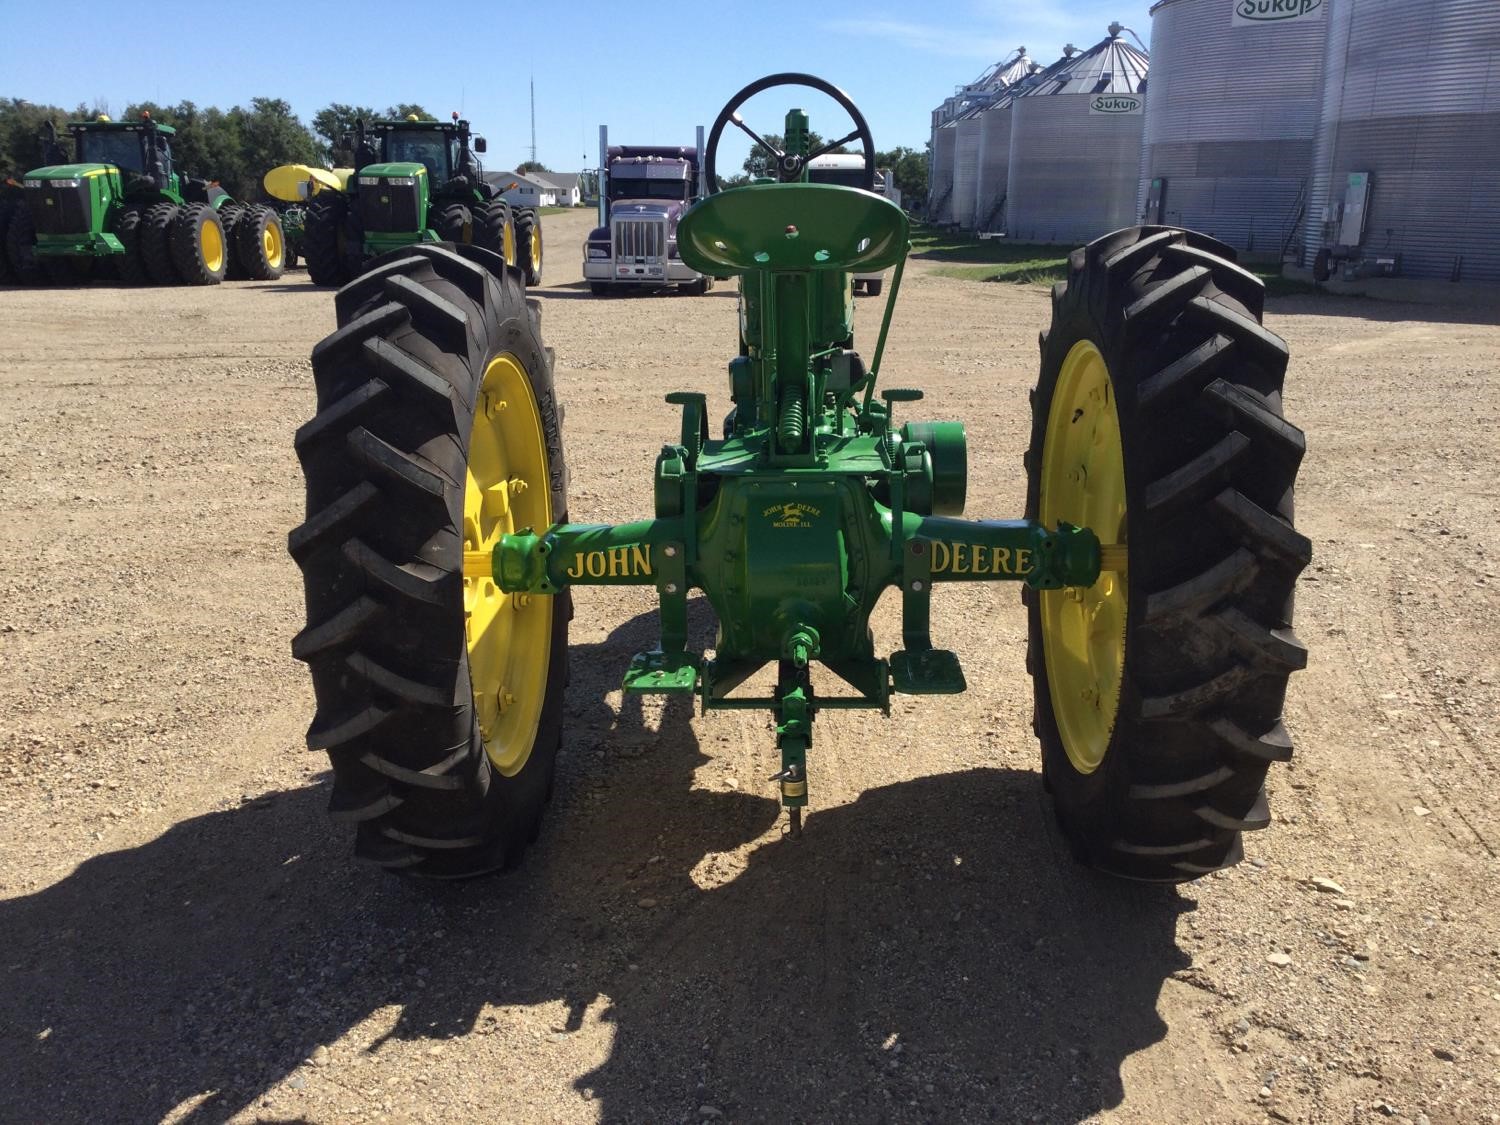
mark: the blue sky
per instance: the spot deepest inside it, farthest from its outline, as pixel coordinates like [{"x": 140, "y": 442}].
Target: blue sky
[{"x": 651, "y": 71}]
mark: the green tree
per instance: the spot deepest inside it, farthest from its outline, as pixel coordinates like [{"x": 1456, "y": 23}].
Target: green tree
[
  {"x": 909, "y": 170},
  {"x": 332, "y": 124},
  {"x": 760, "y": 162},
  {"x": 405, "y": 110},
  {"x": 20, "y": 134},
  {"x": 270, "y": 134},
  {"x": 531, "y": 166}
]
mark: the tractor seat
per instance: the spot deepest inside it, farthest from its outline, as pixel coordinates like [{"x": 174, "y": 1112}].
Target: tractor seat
[{"x": 792, "y": 228}]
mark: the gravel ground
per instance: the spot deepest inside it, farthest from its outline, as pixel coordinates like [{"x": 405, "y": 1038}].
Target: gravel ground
[{"x": 184, "y": 937}]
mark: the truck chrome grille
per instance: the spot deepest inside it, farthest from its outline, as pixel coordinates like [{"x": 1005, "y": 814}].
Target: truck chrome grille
[{"x": 640, "y": 240}]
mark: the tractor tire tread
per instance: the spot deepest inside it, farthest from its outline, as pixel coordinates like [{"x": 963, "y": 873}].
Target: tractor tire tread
[
  {"x": 1211, "y": 463},
  {"x": 381, "y": 554}
]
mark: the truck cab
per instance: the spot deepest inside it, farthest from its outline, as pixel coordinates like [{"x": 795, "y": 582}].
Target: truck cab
[{"x": 645, "y": 189}]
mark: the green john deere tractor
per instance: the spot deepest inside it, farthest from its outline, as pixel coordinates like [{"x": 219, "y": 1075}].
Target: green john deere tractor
[
  {"x": 1156, "y": 557},
  {"x": 416, "y": 181},
  {"x": 121, "y": 203}
]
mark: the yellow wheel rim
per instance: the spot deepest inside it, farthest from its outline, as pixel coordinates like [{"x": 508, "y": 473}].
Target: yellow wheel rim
[
  {"x": 536, "y": 248},
  {"x": 1083, "y": 482},
  {"x": 508, "y": 241},
  {"x": 211, "y": 242},
  {"x": 270, "y": 242},
  {"x": 509, "y": 636}
]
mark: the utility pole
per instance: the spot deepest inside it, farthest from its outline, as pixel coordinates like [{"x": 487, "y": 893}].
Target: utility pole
[{"x": 533, "y": 119}]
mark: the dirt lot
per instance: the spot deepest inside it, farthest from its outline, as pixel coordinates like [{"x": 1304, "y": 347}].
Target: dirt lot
[{"x": 184, "y": 936}]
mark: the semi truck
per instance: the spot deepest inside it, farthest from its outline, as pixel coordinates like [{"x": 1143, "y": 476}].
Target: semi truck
[{"x": 643, "y": 192}]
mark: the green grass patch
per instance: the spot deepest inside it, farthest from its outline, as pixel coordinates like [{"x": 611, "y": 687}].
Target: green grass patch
[
  {"x": 557, "y": 210},
  {"x": 1278, "y": 286},
  {"x": 991, "y": 259}
]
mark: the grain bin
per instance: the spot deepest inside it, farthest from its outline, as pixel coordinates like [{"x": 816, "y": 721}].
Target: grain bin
[
  {"x": 953, "y": 165},
  {"x": 994, "y": 155},
  {"x": 1075, "y": 145},
  {"x": 1231, "y": 113},
  {"x": 1406, "y": 172}
]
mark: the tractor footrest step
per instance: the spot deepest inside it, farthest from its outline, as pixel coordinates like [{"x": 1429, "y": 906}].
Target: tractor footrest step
[
  {"x": 665, "y": 672},
  {"x": 933, "y": 671}
]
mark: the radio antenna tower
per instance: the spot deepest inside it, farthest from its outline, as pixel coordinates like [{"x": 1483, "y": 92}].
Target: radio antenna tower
[{"x": 533, "y": 119}]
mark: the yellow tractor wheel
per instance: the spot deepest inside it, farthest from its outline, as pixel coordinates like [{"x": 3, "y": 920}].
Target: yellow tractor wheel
[
  {"x": 199, "y": 249},
  {"x": 1157, "y": 423},
  {"x": 529, "y": 244},
  {"x": 439, "y": 698}
]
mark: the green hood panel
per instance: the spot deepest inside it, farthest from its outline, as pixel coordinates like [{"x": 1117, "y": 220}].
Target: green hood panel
[
  {"x": 397, "y": 169},
  {"x": 68, "y": 171}
]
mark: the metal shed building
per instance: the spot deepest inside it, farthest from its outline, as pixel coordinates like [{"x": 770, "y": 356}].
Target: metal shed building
[
  {"x": 1407, "y": 160},
  {"x": 1230, "y": 118},
  {"x": 1075, "y": 145}
]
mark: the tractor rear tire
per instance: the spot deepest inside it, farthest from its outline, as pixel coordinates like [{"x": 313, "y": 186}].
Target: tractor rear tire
[
  {"x": 1156, "y": 742},
  {"x": 392, "y": 458},
  {"x": 156, "y": 247},
  {"x": 454, "y": 223},
  {"x": 260, "y": 243},
  {"x": 332, "y": 241},
  {"x": 20, "y": 248},
  {"x": 230, "y": 215},
  {"x": 7, "y": 208},
  {"x": 529, "y": 245},
  {"x": 495, "y": 229},
  {"x": 129, "y": 265},
  {"x": 199, "y": 250}
]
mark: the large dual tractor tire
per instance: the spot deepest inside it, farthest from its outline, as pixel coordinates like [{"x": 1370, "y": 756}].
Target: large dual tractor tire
[
  {"x": 496, "y": 229},
  {"x": 259, "y": 243},
  {"x": 1157, "y": 422},
  {"x": 199, "y": 250},
  {"x": 529, "y": 244},
  {"x": 156, "y": 244},
  {"x": 454, "y": 223},
  {"x": 332, "y": 241},
  {"x": 131, "y": 266},
  {"x": 230, "y": 215},
  {"x": 439, "y": 698},
  {"x": 20, "y": 248}
]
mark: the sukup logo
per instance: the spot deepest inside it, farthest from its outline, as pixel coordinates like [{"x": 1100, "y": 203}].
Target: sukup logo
[
  {"x": 791, "y": 515},
  {"x": 1274, "y": 11},
  {"x": 1115, "y": 103}
]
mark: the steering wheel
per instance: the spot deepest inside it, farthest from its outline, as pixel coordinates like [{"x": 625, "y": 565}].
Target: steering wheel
[{"x": 788, "y": 166}]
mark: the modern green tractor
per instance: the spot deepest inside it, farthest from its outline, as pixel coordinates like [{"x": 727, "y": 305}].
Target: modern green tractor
[
  {"x": 416, "y": 181},
  {"x": 121, "y": 202},
  {"x": 1156, "y": 558}
]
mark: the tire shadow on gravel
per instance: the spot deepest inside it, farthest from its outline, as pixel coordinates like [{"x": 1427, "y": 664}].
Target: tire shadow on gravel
[{"x": 926, "y": 953}]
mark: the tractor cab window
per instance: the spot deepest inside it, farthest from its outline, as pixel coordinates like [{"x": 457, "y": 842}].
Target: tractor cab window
[
  {"x": 164, "y": 156},
  {"x": 633, "y": 187},
  {"x": 119, "y": 147},
  {"x": 432, "y": 150}
]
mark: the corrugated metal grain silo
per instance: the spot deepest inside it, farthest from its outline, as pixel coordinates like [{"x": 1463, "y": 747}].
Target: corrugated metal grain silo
[
  {"x": 952, "y": 171},
  {"x": 965, "y": 167},
  {"x": 1231, "y": 113},
  {"x": 940, "y": 174},
  {"x": 994, "y": 155},
  {"x": 1406, "y": 172},
  {"x": 1075, "y": 145}
]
